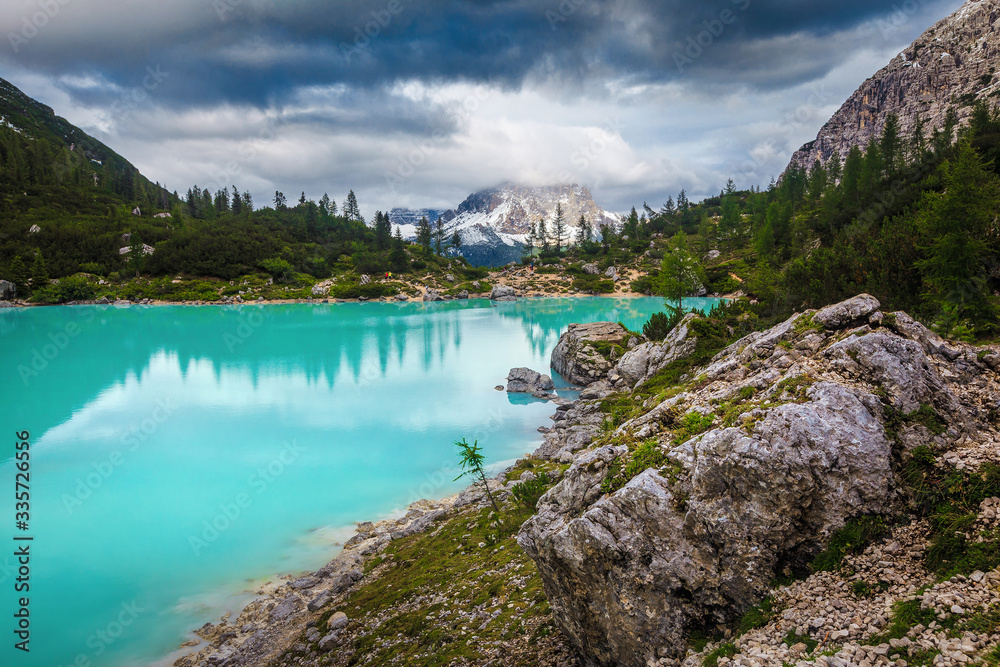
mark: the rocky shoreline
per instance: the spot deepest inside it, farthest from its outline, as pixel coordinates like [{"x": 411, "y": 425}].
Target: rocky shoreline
[{"x": 637, "y": 561}]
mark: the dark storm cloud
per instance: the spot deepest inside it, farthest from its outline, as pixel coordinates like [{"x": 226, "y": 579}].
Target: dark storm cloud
[{"x": 260, "y": 51}]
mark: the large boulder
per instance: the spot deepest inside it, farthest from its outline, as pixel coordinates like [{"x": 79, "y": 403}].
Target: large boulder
[
  {"x": 503, "y": 293},
  {"x": 630, "y": 574},
  {"x": 527, "y": 381},
  {"x": 853, "y": 311},
  {"x": 591, "y": 269},
  {"x": 646, "y": 360},
  {"x": 8, "y": 290},
  {"x": 432, "y": 295},
  {"x": 577, "y": 356},
  {"x": 320, "y": 290}
]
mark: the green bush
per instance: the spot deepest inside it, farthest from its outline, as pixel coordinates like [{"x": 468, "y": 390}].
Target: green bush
[
  {"x": 74, "y": 288},
  {"x": 527, "y": 494},
  {"x": 369, "y": 291}
]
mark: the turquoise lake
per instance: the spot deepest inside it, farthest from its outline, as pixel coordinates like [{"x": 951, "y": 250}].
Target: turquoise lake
[{"x": 181, "y": 456}]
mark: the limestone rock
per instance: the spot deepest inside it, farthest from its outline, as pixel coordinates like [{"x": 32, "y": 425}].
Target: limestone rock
[
  {"x": 852, "y": 311},
  {"x": 527, "y": 381},
  {"x": 320, "y": 290},
  {"x": 503, "y": 293},
  {"x": 432, "y": 295},
  {"x": 954, "y": 60},
  {"x": 575, "y": 357},
  {"x": 366, "y": 280},
  {"x": 591, "y": 270},
  {"x": 463, "y": 295},
  {"x": 646, "y": 360},
  {"x": 7, "y": 289},
  {"x": 634, "y": 571}
]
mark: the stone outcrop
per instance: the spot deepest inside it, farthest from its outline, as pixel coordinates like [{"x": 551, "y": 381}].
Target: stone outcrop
[
  {"x": 527, "y": 381},
  {"x": 576, "y": 357},
  {"x": 951, "y": 64},
  {"x": 503, "y": 293},
  {"x": 697, "y": 539},
  {"x": 646, "y": 360},
  {"x": 591, "y": 269},
  {"x": 432, "y": 295},
  {"x": 7, "y": 289}
]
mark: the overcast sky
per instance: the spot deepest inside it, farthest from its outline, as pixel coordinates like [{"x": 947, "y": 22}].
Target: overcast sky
[{"x": 418, "y": 103}]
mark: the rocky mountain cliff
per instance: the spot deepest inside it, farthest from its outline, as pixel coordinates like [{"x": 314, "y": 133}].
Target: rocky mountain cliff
[
  {"x": 951, "y": 65},
  {"x": 494, "y": 223},
  {"x": 682, "y": 517}
]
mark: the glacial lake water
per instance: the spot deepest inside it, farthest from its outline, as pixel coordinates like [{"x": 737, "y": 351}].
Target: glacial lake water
[{"x": 180, "y": 456}]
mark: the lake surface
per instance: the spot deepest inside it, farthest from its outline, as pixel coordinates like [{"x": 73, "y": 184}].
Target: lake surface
[{"x": 182, "y": 455}]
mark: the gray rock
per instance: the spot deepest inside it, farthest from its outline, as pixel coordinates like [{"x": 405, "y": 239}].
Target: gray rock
[
  {"x": 304, "y": 583},
  {"x": 338, "y": 621},
  {"x": 712, "y": 255},
  {"x": 844, "y": 314},
  {"x": 320, "y": 290},
  {"x": 591, "y": 270},
  {"x": 612, "y": 273},
  {"x": 503, "y": 293},
  {"x": 527, "y": 381},
  {"x": 901, "y": 368},
  {"x": 319, "y": 601},
  {"x": 366, "y": 280},
  {"x": 8, "y": 290},
  {"x": 7, "y": 304},
  {"x": 326, "y": 644},
  {"x": 463, "y": 295},
  {"x": 449, "y": 278},
  {"x": 658, "y": 558},
  {"x": 286, "y": 608},
  {"x": 575, "y": 357},
  {"x": 432, "y": 295},
  {"x": 646, "y": 360},
  {"x": 402, "y": 297}
]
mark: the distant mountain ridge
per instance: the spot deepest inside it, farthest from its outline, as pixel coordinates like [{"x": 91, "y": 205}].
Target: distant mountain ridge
[
  {"x": 951, "y": 65},
  {"x": 494, "y": 224}
]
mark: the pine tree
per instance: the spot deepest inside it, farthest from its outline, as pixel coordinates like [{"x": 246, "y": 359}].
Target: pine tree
[
  {"x": 585, "y": 232},
  {"x": 280, "y": 203},
  {"x": 559, "y": 227},
  {"x": 302, "y": 198},
  {"x": 851, "y": 181},
  {"x": 397, "y": 256},
  {"x": 324, "y": 204},
  {"x": 891, "y": 147},
  {"x": 955, "y": 224},
  {"x": 39, "y": 273},
  {"x": 439, "y": 236},
  {"x": 351, "y": 209},
  {"x": 729, "y": 221},
  {"x": 424, "y": 235},
  {"x": 19, "y": 276},
  {"x": 456, "y": 240}
]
